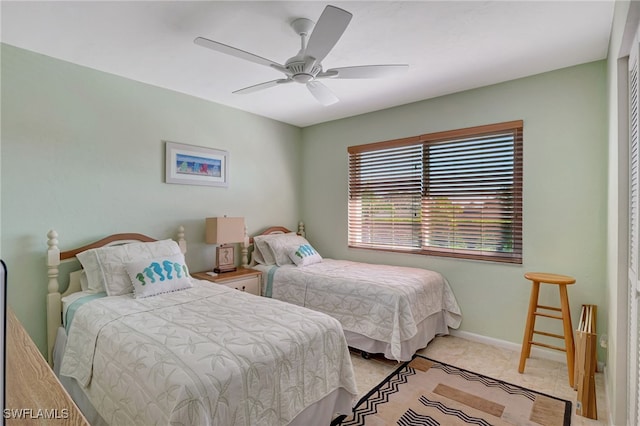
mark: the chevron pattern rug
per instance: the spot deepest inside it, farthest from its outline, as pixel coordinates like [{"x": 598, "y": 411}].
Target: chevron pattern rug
[{"x": 424, "y": 392}]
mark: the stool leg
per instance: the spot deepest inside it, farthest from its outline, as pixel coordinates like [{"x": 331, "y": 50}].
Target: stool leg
[
  {"x": 528, "y": 331},
  {"x": 568, "y": 331}
]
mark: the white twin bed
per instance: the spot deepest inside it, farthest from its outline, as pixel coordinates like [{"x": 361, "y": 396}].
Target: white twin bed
[
  {"x": 383, "y": 309},
  {"x": 198, "y": 354}
]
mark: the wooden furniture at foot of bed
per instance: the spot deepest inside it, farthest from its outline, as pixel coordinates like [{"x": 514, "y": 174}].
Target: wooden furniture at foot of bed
[{"x": 33, "y": 393}]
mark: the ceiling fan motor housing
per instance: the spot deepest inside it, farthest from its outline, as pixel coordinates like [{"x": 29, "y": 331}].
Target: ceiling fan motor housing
[
  {"x": 299, "y": 68},
  {"x": 300, "y": 75}
]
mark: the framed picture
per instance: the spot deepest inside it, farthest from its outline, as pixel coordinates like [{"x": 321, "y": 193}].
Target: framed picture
[
  {"x": 196, "y": 165},
  {"x": 224, "y": 258}
]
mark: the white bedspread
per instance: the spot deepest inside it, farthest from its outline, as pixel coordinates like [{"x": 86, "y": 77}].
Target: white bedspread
[
  {"x": 209, "y": 355},
  {"x": 381, "y": 302}
]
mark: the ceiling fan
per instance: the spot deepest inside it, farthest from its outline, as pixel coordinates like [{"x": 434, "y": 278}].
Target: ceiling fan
[{"x": 306, "y": 66}]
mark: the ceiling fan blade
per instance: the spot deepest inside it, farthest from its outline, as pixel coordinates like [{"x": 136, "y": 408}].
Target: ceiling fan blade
[
  {"x": 328, "y": 30},
  {"x": 322, "y": 93},
  {"x": 364, "y": 71},
  {"x": 238, "y": 53},
  {"x": 262, "y": 86}
]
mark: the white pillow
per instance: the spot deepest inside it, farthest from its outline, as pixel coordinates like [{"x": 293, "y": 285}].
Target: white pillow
[
  {"x": 160, "y": 275},
  {"x": 283, "y": 245},
  {"x": 260, "y": 244},
  {"x": 84, "y": 281},
  {"x": 91, "y": 269},
  {"x": 256, "y": 256},
  {"x": 79, "y": 276},
  {"x": 105, "y": 265},
  {"x": 304, "y": 255}
]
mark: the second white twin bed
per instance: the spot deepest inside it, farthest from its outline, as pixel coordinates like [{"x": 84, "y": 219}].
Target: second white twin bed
[{"x": 383, "y": 309}]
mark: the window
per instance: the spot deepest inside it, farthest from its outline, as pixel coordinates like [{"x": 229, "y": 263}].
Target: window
[{"x": 455, "y": 194}]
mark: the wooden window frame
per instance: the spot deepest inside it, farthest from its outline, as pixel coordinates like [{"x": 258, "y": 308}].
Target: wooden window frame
[{"x": 487, "y": 194}]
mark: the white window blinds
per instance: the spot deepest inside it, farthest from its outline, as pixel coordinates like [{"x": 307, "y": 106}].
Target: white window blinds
[{"x": 456, "y": 194}]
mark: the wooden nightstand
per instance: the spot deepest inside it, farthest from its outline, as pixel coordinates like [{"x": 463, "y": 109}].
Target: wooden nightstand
[{"x": 248, "y": 280}]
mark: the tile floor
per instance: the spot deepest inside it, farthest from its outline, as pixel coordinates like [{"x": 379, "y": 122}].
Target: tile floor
[{"x": 542, "y": 375}]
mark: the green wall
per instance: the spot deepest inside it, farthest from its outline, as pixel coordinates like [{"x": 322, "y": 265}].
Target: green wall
[
  {"x": 565, "y": 175},
  {"x": 82, "y": 153}
]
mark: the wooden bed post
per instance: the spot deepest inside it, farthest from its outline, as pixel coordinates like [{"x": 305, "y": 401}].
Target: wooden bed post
[
  {"x": 182, "y": 243},
  {"x": 245, "y": 248},
  {"x": 54, "y": 306},
  {"x": 301, "y": 231}
]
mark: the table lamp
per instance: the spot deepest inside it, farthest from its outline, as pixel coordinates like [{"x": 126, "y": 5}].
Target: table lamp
[{"x": 224, "y": 231}]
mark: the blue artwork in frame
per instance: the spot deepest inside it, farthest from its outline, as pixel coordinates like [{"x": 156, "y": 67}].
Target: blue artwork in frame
[{"x": 196, "y": 165}]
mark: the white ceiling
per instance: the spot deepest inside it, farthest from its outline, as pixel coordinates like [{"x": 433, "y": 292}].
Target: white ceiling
[{"x": 450, "y": 46}]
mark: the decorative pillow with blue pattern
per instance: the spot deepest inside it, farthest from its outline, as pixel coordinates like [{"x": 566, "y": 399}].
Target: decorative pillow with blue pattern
[
  {"x": 160, "y": 275},
  {"x": 105, "y": 266},
  {"x": 281, "y": 247},
  {"x": 304, "y": 255}
]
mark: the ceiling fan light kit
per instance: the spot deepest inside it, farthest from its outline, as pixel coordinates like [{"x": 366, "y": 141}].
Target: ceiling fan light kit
[{"x": 306, "y": 66}]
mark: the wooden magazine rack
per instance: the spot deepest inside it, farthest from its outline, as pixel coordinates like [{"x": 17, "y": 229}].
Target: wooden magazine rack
[{"x": 586, "y": 363}]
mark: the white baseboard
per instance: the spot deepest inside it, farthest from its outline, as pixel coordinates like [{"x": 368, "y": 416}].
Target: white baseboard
[{"x": 535, "y": 351}]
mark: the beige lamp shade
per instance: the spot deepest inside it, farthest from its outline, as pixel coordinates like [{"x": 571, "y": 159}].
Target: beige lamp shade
[{"x": 224, "y": 230}]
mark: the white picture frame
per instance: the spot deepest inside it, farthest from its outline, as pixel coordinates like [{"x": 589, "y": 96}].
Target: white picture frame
[{"x": 196, "y": 165}]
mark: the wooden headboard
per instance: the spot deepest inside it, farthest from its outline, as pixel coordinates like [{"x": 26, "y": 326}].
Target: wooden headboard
[
  {"x": 282, "y": 230},
  {"x": 55, "y": 257}
]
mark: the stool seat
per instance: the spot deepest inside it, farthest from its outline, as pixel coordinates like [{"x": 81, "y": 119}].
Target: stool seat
[
  {"x": 546, "y": 278},
  {"x": 562, "y": 281}
]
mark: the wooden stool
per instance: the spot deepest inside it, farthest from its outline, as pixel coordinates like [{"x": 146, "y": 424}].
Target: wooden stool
[{"x": 565, "y": 315}]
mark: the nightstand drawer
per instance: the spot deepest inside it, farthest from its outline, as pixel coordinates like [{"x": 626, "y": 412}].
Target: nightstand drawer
[
  {"x": 250, "y": 285},
  {"x": 247, "y": 280}
]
